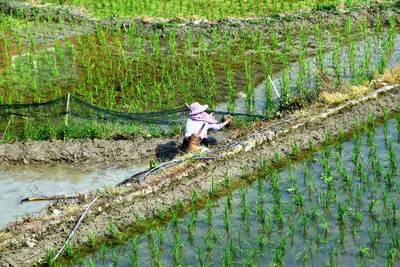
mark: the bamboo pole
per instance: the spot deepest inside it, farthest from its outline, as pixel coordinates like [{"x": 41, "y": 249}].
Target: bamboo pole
[{"x": 48, "y": 198}]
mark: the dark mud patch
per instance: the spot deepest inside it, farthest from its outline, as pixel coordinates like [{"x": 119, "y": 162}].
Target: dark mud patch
[{"x": 25, "y": 242}]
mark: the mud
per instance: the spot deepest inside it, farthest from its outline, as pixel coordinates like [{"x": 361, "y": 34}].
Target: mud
[
  {"x": 137, "y": 150},
  {"x": 25, "y": 241}
]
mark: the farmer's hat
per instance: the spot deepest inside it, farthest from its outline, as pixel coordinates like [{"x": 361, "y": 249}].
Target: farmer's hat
[{"x": 195, "y": 108}]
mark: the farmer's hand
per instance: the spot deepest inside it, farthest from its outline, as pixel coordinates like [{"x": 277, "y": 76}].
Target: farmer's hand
[{"x": 227, "y": 120}]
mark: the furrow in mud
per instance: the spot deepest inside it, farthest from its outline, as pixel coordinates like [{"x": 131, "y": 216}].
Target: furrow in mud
[{"x": 25, "y": 242}]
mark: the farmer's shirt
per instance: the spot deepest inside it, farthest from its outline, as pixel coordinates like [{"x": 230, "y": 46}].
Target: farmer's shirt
[{"x": 193, "y": 127}]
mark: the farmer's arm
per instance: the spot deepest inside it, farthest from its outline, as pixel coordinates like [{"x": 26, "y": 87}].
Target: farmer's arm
[{"x": 218, "y": 126}]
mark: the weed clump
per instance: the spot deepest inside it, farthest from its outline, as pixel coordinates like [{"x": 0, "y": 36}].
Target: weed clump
[
  {"x": 354, "y": 91},
  {"x": 392, "y": 76}
]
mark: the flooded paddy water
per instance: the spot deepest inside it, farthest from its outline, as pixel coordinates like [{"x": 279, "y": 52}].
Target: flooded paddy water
[
  {"x": 20, "y": 182},
  {"x": 337, "y": 207}
]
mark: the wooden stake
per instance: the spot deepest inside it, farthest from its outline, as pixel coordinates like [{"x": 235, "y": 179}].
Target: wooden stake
[
  {"x": 67, "y": 109},
  {"x": 273, "y": 85}
]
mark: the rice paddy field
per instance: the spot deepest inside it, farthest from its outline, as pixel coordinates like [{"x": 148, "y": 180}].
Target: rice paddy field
[
  {"x": 130, "y": 70},
  {"x": 335, "y": 207},
  {"x": 134, "y": 69},
  {"x": 210, "y": 9},
  {"x": 335, "y": 204}
]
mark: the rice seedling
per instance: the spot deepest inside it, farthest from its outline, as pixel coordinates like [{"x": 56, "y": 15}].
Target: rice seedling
[
  {"x": 133, "y": 256},
  {"x": 244, "y": 203},
  {"x": 394, "y": 212},
  {"x": 103, "y": 250},
  {"x": 209, "y": 213},
  {"x": 213, "y": 189},
  {"x": 227, "y": 219},
  {"x": 91, "y": 240},
  {"x": 89, "y": 263},
  {"x": 50, "y": 254},
  {"x": 114, "y": 258},
  {"x": 341, "y": 212},
  {"x": 69, "y": 250},
  {"x": 398, "y": 126}
]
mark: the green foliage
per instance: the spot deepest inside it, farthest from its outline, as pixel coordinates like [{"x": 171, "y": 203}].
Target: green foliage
[
  {"x": 50, "y": 254},
  {"x": 69, "y": 250},
  {"x": 53, "y": 130},
  {"x": 91, "y": 241},
  {"x": 325, "y": 7}
]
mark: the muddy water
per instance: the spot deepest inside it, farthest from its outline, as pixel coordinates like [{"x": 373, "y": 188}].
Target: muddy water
[
  {"x": 311, "y": 234},
  {"x": 19, "y": 182}
]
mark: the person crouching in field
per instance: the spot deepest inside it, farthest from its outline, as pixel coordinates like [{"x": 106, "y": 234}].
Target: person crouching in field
[{"x": 197, "y": 126}]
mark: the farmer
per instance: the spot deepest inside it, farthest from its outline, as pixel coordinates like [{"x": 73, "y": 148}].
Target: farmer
[{"x": 197, "y": 125}]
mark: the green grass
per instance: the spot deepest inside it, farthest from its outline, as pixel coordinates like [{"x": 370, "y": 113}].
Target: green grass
[{"x": 81, "y": 129}]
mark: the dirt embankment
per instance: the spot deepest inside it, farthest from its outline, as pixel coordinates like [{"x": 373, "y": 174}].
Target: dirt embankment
[
  {"x": 24, "y": 242},
  {"x": 80, "y": 152}
]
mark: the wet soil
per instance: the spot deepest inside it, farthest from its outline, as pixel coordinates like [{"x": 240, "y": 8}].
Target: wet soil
[
  {"x": 25, "y": 241},
  {"x": 136, "y": 150}
]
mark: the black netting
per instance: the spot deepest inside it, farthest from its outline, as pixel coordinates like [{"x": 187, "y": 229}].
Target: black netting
[
  {"x": 28, "y": 106},
  {"x": 82, "y": 109},
  {"x": 50, "y": 109}
]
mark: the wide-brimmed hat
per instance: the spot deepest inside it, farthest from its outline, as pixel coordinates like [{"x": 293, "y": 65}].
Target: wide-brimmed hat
[{"x": 196, "y": 108}]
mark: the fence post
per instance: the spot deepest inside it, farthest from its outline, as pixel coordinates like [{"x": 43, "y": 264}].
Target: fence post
[{"x": 67, "y": 109}]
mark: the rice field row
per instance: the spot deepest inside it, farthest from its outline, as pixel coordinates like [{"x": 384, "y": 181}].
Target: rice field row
[
  {"x": 210, "y": 9},
  {"x": 336, "y": 207}
]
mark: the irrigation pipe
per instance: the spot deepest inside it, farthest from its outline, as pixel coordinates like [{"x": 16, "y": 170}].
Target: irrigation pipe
[
  {"x": 240, "y": 141},
  {"x": 140, "y": 176},
  {"x": 75, "y": 228}
]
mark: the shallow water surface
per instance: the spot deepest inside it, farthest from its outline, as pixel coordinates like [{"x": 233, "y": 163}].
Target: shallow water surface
[{"x": 17, "y": 183}]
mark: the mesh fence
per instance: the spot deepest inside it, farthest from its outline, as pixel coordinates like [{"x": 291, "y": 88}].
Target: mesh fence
[{"x": 78, "y": 108}]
